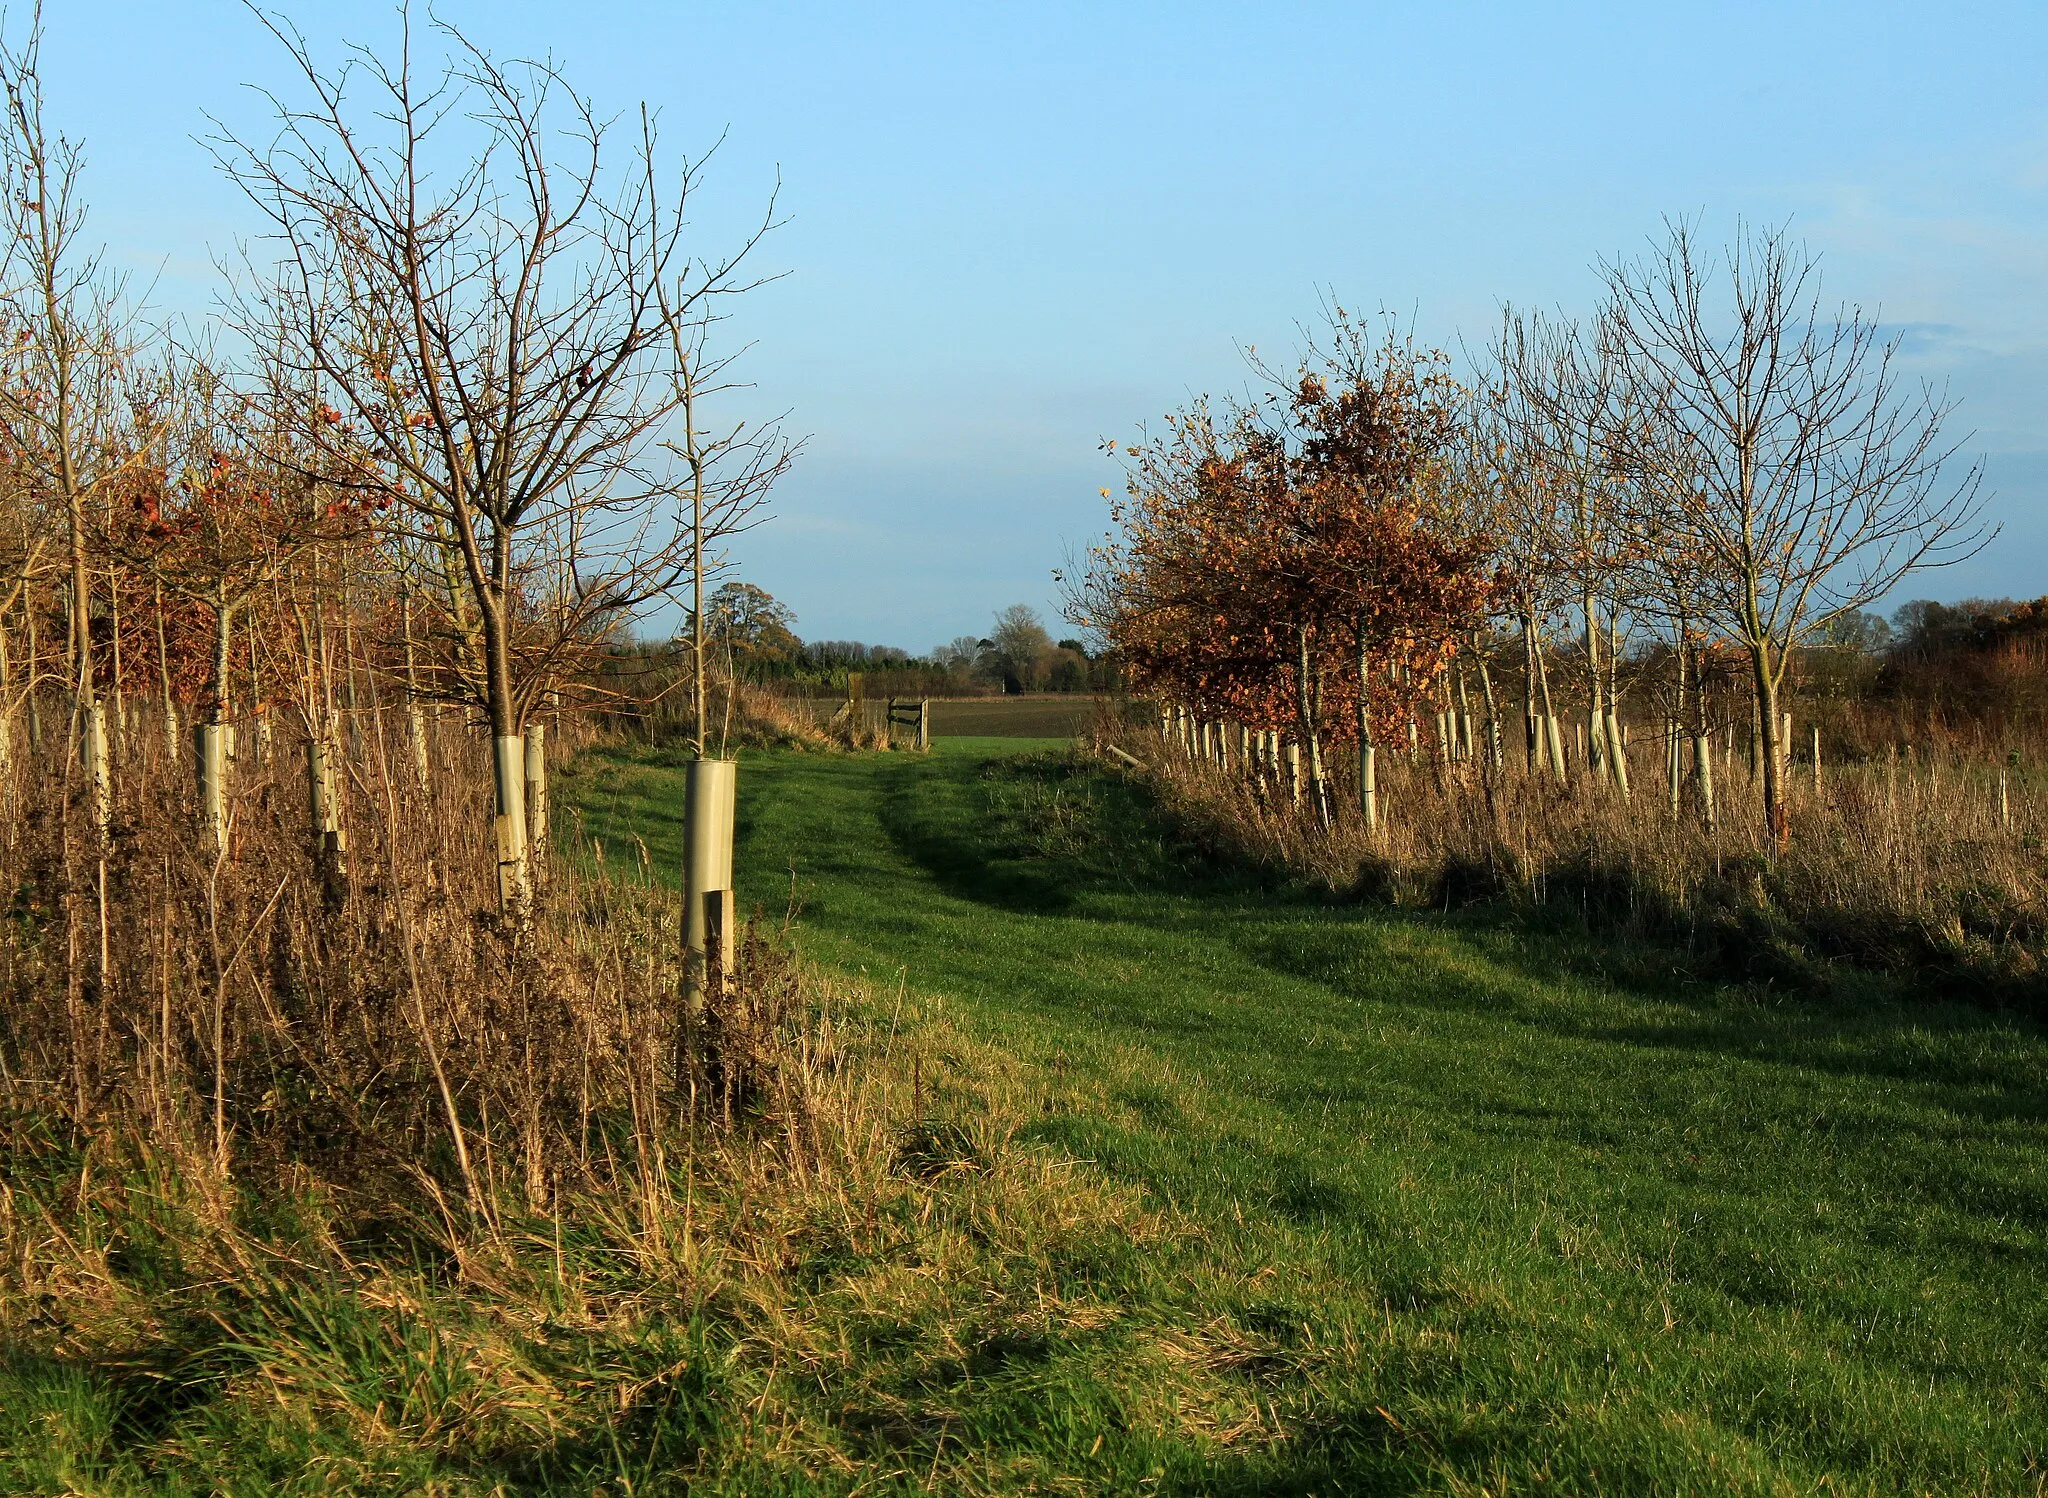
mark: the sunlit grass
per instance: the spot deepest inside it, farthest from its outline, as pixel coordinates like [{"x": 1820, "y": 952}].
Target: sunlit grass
[
  {"x": 1132, "y": 1170},
  {"x": 1518, "y": 1205}
]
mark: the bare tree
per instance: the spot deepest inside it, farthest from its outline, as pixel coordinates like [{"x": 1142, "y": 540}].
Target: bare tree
[
  {"x": 1662, "y": 583},
  {"x": 1813, "y": 481},
  {"x": 1526, "y": 527},
  {"x": 727, "y": 470},
  {"x": 1563, "y": 389},
  {"x": 65, "y": 404},
  {"x": 493, "y": 321}
]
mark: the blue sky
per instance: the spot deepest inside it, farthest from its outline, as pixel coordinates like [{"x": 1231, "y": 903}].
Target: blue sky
[{"x": 1015, "y": 230}]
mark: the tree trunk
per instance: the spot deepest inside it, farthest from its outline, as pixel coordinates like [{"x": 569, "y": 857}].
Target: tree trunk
[
  {"x": 1617, "y": 743},
  {"x": 35, "y": 713},
  {"x": 508, "y": 759},
  {"x": 1703, "y": 778},
  {"x": 90, "y": 718},
  {"x": 330, "y": 842},
  {"x": 709, "y": 792},
  {"x": 119, "y": 715},
  {"x": 1368, "y": 777},
  {"x": 1308, "y": 703},
  {"x": 81, "y": 605},
  {"x": 1318, "y": 767},
  {"x": 1617, "y": 750},
  {"x": 1596, "y": 706},
  {"x": 163, "y": 670},
  {"x": 1553, "y": 735},
  {"x": 1494, "y": 756},
  {"x": 1768, "y": 755},
  {"x": 415, "y": 715},
  {"x": 6, "y": 709},
  {"x": 537, "y": 788},
  {"x": 1532, "y": 733},
  {"x": 212, "y": 741}
]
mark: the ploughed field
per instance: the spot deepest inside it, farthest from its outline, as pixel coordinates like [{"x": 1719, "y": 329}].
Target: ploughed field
[
  {"x": 1439, "y": 1203},
  {"x": 1049, "y": 716}
]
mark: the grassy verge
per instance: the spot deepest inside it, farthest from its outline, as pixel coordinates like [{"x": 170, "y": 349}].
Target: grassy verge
[
  {"x": 1090, "y": 1162},
  {"x": 1452, "y": 1205},
  {"x": 874, "y": 1287}
]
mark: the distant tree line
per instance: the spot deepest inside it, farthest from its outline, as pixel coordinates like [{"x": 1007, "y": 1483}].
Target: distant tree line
[
  {"x": 753, "y": 636},
  {"x": 1973, "y": 656}
]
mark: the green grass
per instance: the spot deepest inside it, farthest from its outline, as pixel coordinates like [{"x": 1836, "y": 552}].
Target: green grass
[
  {"x": 1492, "y": 1209},
  {"x": 1129, "y": 1171}
]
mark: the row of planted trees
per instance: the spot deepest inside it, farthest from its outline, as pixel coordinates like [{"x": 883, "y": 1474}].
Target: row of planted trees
[
  {"x": 1665, "y": 501},
  {"x": 446, "y": 436},
  {"x": 291, "y": 601}
]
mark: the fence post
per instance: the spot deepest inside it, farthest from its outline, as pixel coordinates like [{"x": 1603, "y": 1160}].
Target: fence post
[
  {"x": 924, "y": 725},
  {"x": 1674, "y": 767}
]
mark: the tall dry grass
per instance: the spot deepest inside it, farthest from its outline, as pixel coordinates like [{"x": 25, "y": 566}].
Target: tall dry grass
[
  {"x": 1919, "y": 849},
  {"x": 338, "y": 1176},
  {"x": 372, "y": 1017}
]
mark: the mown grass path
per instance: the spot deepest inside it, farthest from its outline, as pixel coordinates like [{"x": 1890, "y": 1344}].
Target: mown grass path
[{"x": 1508, "y": 1210}]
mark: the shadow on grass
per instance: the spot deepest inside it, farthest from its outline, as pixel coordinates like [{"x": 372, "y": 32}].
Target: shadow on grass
[
  {"x": 1038, "y": 834},
  {"x": 1051, "y": 834},
  {"x": 1984, "y": 1064}
]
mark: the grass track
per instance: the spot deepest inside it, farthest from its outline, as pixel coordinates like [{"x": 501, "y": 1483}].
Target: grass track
[{"x": 1511, "y": 1211}]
